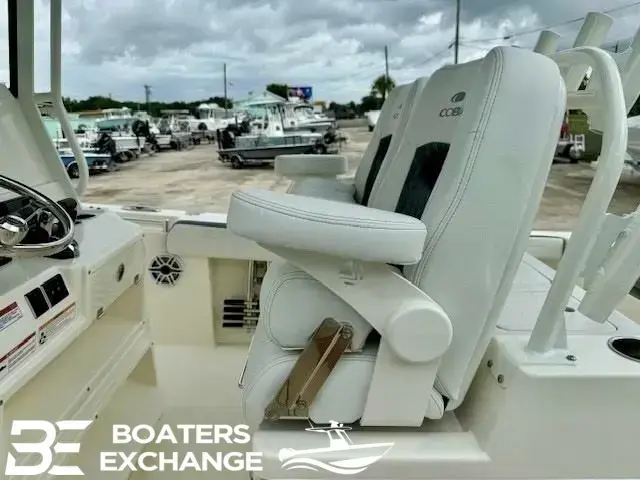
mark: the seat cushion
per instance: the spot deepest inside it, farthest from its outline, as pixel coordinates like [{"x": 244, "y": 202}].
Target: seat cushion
[
  {"x": 342, "y": 398},
  {"x": 327, "y": 188},
  {"x": 293, "y": 304},
  {"x": 348, "y": 231}
]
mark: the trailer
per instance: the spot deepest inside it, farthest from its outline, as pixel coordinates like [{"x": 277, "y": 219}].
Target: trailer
[{"x": 251, "y": 150}]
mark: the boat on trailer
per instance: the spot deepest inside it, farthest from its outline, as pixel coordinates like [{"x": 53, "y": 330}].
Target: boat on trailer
[
  {"x": 267, "y": 139},
  {"x": 97, "y": 162},
  {"x": 412, "y": 305},
  {"x": 263, "y": 149}
]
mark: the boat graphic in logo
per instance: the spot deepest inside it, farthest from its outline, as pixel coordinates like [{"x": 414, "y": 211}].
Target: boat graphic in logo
[
  {"x": 458, "y": 97},
  {"x": 341, "y": 457}
]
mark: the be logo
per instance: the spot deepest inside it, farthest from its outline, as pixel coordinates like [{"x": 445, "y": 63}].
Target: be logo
[{"x": 46, "y": 448}]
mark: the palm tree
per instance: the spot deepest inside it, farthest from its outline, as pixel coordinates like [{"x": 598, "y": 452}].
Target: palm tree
[{"x": 382, "y": 86}]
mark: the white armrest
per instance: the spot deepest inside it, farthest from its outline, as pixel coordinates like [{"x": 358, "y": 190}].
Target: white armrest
[
  {"x": 333, "y": 228},
  {"x": 310, "y": 165}
]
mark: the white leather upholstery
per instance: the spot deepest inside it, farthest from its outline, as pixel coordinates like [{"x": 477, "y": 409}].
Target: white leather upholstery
[
  {"x": 285, "y": 283},
  {"x": 427, "y": 125},
  {"x": 486, "y": 203},
  {"x": 348, "y": 231},
  {"x": 337, "y": 189},
  {"x": 382, "y": 147},
  {"x": 310, "y": 165},
  {"x": 474, "y": 179},
  {"x": 343, "y": 396}
]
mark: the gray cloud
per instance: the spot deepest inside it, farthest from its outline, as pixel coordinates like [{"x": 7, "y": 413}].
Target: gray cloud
[{"x": 179, "y": 46}]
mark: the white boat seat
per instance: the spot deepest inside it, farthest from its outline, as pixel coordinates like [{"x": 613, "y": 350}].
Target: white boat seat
[
  {"x": 406, "y": 340},
  {"x": 315, "y": 175}
]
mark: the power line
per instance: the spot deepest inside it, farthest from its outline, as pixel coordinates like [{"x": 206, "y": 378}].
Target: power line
[
  {"x": 434, "y": 56},
  {"x": 518, "y": 34},
  {"x": 364, "y": 74},
  {"x": 561, "y": 24}
]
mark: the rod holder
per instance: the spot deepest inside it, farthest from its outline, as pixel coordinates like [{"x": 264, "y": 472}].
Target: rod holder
[
  {"x": 547, "y": 43},
  {"x": 592, "y": 34},
  {"x": 549, "y": 332}
]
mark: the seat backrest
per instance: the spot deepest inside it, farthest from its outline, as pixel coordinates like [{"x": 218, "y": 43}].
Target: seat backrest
[
  {"x": 437, "y": 109},
  {"x": 477, "y": 185},
  {"x": 392, "y": 121}
]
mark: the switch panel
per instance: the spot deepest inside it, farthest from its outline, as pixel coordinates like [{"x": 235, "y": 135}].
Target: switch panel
[
  {"x": 37, "y": 302},
  {"x": 55, "y": 290}
]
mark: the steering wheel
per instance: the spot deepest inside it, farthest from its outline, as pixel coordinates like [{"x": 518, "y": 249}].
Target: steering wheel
[{"x": 13, "y": 228}]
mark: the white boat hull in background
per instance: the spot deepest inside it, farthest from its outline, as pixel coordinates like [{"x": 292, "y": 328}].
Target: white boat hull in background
[
  {"x": 372, "y": 118},
  {"x": 126, "y": 143},
  {"x": 630, "y": 173},
  {"x": 633, "y": 139}
]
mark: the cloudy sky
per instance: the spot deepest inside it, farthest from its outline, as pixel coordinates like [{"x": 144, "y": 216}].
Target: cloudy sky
[{"x": 179, "y": 46}]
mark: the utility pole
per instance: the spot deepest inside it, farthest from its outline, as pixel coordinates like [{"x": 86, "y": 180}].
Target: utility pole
[
  {"x": 147, "y": 96},
  {"x": 386, "y": 71},
  {"x": 386, "y": 62},
  {"x": 457, "y": 40},
  {"x": 225, "y": 89}
]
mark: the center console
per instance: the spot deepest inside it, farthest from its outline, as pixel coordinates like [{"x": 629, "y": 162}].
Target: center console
[{"x": 74, "y": 341}]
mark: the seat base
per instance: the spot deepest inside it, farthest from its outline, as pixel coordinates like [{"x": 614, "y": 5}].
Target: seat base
[
  {"x": 477, "y": 440},
  {"x": 390, "y": 454},
  {"x": 342, "y": 398}
]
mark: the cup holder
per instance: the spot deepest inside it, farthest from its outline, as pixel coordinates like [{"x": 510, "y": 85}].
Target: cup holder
[{"x": 627, "y": 347}]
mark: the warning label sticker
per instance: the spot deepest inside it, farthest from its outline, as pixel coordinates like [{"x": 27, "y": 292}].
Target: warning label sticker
[
  {"x": 17, "y": 355},
  {"x": 9, "y": 315},
  {"x": 52, "y": 327}
]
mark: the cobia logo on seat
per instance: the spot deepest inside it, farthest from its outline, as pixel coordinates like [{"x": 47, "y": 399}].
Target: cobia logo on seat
[
  {"x": 398, "y": 111},
  {"x": 451, "y": 112},
  {"x": 458, "y": 97}
]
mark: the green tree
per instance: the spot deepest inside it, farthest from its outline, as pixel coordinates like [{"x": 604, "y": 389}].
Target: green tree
[
  {"x": 368, "y": 103},
  {"x": 99, "y": 102},
  {"x": 278, "y": 89},
  {"x": 382, "y": 85}
]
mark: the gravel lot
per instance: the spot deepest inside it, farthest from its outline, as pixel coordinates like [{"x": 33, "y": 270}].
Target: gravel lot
[{"x": 194, "y": 180}]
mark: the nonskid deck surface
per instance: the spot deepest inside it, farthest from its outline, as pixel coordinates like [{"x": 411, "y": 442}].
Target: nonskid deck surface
[
  {"x": 529, "y": 291},
  {"x": 199, "y": 386}
]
